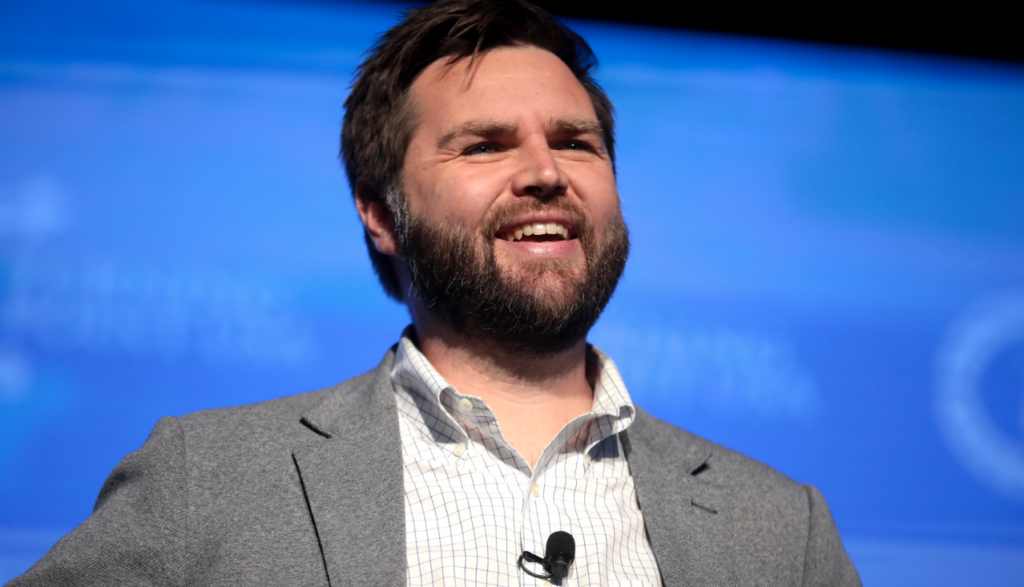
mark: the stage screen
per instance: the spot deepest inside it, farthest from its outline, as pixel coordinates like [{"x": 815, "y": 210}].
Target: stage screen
[{"x": 827, "y": 270}]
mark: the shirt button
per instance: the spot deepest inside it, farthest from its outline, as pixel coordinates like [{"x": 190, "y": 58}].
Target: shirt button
[
  {"x": 466, "y": 405},
  {"x": 546, "y": 584},
  {"x": 459, "y": 449},
  {"x": 535, "y": 490},
  {"x": 587, "y": 459}
]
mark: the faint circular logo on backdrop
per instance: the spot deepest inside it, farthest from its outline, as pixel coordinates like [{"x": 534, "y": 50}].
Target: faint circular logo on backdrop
[{"x": 994, "y": 456}]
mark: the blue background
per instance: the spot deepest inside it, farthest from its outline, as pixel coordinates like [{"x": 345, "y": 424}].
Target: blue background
[{"x": 827, "y": 273}]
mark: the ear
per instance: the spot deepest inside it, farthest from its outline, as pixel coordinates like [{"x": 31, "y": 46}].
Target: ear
[{"x": 375, "y": 216}]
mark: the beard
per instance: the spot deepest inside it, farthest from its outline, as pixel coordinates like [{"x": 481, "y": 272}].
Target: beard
[{"x": 542, "y": 307}]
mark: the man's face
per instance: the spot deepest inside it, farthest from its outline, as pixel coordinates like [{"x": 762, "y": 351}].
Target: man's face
[{"x": 514, "y": 228}]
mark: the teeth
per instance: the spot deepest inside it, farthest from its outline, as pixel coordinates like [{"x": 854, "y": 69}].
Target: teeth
[{"x": 537, "y": 229}]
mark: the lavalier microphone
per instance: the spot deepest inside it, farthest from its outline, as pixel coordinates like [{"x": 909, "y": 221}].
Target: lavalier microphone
[{"x": 559, "y": 553}]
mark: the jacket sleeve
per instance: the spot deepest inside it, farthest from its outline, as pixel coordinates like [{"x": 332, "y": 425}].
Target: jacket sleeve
[
  {"x": 137, "y": 532},
  {"x": 826, "y": 563}
]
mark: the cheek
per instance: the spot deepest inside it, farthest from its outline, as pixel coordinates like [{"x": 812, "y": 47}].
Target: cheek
[
  {"x": 599, "y": 195},
  {"x": 467, "y": 195}
]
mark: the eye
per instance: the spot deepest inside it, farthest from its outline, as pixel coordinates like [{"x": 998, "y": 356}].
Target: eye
[
  {"x": 481, "y": 149},
  {"x": 578, "y": 145}
]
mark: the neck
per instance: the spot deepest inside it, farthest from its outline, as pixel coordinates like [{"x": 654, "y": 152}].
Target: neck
[{"x": 532, "y": 396}]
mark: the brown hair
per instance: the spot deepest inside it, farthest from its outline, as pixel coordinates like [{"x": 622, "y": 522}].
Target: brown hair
[{"x": 378, "y": 123}]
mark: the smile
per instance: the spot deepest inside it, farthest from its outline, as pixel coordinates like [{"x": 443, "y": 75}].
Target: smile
[{"x": 537, "y": 232}]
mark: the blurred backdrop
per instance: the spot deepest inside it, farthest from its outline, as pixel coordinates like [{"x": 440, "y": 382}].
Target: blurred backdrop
[{"x": 827, "y": 273}]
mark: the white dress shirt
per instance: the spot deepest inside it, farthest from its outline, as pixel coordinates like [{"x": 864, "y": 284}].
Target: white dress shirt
[{"x": 473, "y": 504}]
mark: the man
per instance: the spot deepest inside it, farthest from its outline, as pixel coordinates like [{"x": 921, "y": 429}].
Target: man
[{"x": 481, "y": 157}]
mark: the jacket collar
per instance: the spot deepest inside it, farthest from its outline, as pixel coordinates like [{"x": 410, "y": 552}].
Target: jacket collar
[
  {"x": 688, "y": 519},
  {"x": 352, "y": 478}
]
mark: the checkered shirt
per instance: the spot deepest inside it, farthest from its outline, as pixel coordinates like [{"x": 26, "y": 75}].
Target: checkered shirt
[{"x": 473, "y": 504}]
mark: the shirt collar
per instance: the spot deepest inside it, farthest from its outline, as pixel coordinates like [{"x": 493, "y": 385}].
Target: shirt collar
[
  {"x": 612, "y": 403},
  {"x": 413, "y": 371},
  {"x": 612, "y": 410}
]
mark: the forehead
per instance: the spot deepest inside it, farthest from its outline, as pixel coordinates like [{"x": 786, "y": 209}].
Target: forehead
[{"x": 509, "y": 83}]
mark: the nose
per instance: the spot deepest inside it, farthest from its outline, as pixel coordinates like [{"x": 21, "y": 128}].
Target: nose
[{"x": 539, "y": 174}]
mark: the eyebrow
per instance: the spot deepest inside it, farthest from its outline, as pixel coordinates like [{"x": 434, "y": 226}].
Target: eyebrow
[
  {"x": 477, "y": 128},
  {"x": 491, "y": 128},
  {"x": 577, "y": 126}
]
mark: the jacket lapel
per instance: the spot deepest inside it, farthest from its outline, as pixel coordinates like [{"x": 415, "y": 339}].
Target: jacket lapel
[
  {"x": 353, "y": 481},
  {"x": 688, "y": 520}
]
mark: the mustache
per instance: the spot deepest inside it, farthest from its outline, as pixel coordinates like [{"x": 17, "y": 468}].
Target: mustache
[{"x": 509, "y": 212}]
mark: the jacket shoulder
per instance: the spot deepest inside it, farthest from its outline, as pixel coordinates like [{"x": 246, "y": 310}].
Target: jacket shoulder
[
  {"x": 768, "y": 528},
  {"x": 708, "y": 460},
  {"x": 279, "y": 421}
]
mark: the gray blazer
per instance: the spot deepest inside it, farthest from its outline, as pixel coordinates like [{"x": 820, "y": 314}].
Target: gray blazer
[{"x": 308, "y": 490}]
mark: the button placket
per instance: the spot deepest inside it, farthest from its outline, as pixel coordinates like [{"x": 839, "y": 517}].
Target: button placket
[{"x": 460, "y": 452}]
